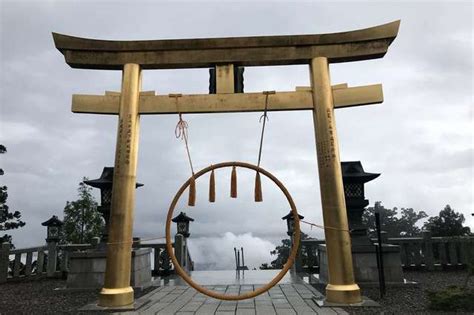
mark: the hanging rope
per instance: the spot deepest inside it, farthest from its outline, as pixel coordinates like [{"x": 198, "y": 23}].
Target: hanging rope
[
  {"x": 323, "y": 227},
  {"x": 258, "y": 196},
  {"x": 265, "y": 118},
  {"x": 138, "y": 241},
  {"x": 181, "y": 132}
]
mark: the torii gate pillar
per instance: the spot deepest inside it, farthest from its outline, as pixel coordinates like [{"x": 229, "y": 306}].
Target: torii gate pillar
[
  {"x": 117, "y": 290},
  {"x": 341, "y": 285}
]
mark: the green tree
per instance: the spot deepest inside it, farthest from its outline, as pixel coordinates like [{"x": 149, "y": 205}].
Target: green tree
[
  {"x": 82, "y": 221},
  {"x": 447, "y": 223},
  {"x": 9, "y": 220},
  {"x": 283, "y": 252},
  {"x": 391, "y": 222}
]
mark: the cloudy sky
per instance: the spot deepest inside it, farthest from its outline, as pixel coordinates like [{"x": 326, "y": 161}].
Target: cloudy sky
[{"x": 420, "y": 138}]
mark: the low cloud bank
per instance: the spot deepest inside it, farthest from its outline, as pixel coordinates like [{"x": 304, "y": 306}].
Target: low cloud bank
[{"x": 217, "y": 253}]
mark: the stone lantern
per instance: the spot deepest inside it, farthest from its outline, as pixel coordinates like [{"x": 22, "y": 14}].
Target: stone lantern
[
  {"x": 105, "y": 183},
  {"x": 54, "y": 227},
  {"x": 290, "y": 222},
  {"x": 290, "y": 226},
  {"x": 182, "y": 224},
  {"x": 87, "y": 268},
  {"x": 354, "y": 177}
]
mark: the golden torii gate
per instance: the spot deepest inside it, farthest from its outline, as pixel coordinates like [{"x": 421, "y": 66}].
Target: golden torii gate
[{"x": 224, "y": 53}]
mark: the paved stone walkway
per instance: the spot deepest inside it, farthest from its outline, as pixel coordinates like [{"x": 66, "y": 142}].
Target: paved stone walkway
[{"x": 283, "y": 299}]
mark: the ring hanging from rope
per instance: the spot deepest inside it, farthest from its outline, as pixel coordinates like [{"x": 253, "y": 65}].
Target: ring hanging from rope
[{"x": 277, "y": 278}]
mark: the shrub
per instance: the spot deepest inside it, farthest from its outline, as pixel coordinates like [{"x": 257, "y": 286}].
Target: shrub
[{"x": 453, "y": 298}]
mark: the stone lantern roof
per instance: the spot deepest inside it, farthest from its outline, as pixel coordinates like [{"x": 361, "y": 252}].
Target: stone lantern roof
[
  {"x": 353, "y": 172},
  {"x": 53, "y": 221},
  {"x": 105, "y": 180},
  {"x": 182, "y": 217},
  {"x": 290, "y": 216}
]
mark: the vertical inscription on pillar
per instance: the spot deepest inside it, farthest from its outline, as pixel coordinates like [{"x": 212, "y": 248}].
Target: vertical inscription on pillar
[
  {"x": 125, "y": 139},
  {"x": 118, "y": 158},
  {"x": 129, "y": 139},
  {"x": 327, "y": 148}
]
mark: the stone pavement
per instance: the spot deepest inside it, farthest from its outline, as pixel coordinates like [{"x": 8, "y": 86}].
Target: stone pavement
[{"x": 283, "y": 299}]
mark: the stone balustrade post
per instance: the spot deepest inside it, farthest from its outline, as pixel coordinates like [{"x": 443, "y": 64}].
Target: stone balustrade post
[
  {"x": 298, "y": 265},
  {"x": 179, "y": 244},
  {"x": 4, "y": 261},
  {"x": 65, "y": 261},
  {"x": 95, "y": 241},
  {"x": 156, "y": 259},
  {"x": 428, "y": 250},
  {"x": 52, "y": 258}
]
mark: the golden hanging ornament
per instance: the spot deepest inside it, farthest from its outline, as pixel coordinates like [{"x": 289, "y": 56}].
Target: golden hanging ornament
[
  {"x": 258, "y": 188},
  {"x": 233, "y": 183},
  {"x": 192, "y": 192},
  {"x": 212, "y": 188}
]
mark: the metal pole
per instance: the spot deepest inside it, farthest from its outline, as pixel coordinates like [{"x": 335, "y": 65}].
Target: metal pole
[
  {"x": 243, "y": 261},
  {"x": 236, "y": 263},
  {"x": 380, "y": 255},
  {"x": 238, "y": 259},
  {"x": 117, "y": 290},
  {"x": 341, "y": 286}
]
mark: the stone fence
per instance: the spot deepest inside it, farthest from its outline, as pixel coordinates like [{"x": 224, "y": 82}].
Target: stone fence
[
  {"x": 425, "y": 252},
  {"x": 52, "y": 260},
  {"x": 431, "y": 253}
]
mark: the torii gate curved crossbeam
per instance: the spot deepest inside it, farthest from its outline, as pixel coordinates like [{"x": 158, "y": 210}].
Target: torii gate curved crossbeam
[{"x": 369, "y": 43}]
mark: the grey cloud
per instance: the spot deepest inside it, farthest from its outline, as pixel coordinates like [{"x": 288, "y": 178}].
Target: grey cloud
[{"x": 419, "y": 139}]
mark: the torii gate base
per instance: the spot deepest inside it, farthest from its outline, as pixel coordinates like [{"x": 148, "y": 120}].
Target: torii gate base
[{"x": 223, "y": 53}]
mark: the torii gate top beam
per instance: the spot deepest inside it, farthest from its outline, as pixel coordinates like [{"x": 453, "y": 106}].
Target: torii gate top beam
[{"x": 356, "y": 45}]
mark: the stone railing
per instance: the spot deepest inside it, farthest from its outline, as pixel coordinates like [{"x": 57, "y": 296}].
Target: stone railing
[
  {"x": 52, "y": 260},
  {"x": 49, "y": 260},
  {"x": 34, "y": 265},
  {"x": 434, "y": 252},
  {"x": 182, "y": 253},
  {"x": 161, "y": 262},
  {"x": 162, "y": 265},
  {"x": 309, "y": 261},
  {"x": 423, "y": 252}
]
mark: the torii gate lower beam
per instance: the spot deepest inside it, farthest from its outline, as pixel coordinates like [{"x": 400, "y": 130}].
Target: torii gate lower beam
[
  {"x": 317, "y": 50},
  {"x": 151, "y": 104}
]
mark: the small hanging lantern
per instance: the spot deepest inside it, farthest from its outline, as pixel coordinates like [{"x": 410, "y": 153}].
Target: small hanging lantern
[
  {"x": 54, "y": 226},
  {"x": 290, "y": 222},
  {"x": 182, "y": 224}
]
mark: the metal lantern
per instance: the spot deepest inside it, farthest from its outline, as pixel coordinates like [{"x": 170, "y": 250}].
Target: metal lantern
[
  {"x": 182, "y": 224},
  {"x": 290, "y": 222},
  {"x": 54, "y": 227}
]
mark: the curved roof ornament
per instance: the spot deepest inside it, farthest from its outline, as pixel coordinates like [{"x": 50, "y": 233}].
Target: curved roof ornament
[{"x": 369, "y": 43}]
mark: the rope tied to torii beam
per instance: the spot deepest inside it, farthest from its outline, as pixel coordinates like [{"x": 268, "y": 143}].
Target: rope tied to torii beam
[
  {"x": 258, "y": 196},
  {"x": 181, "y": 132}
]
